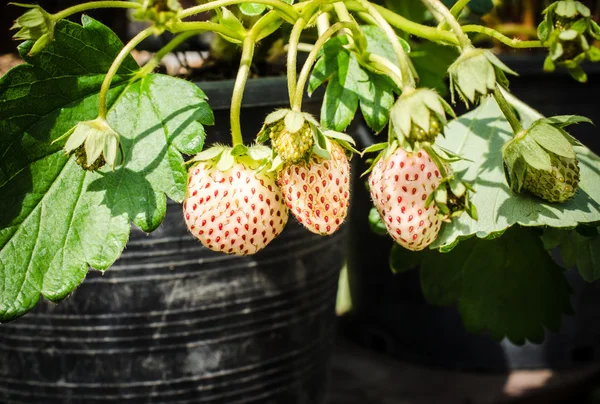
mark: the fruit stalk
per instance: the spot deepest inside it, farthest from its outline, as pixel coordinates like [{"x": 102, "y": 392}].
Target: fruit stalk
[
  {"x": 406, "y": 25},
  {"x": 408, "y": 80},
  {"x": 279, "y": 5},
  {"x": 442, "y": 10},
  {"x": 508, "y": 111},
  {"x": 93, "y": 5},
  {"x": 310, "y": 61},
  {"x": 102, "y": 107},
  {"x": 238, "y": 89}
]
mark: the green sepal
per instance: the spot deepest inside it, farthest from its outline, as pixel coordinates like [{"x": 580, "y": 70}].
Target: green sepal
[
  {"x": 544, "y": 30},
  {"x": 94, "y": 143},
  {"x": 475, "y": 74},
  {"x": 514, "y": 166},
  {"x": 259, "y": 152},
  {"x": 376, "y": 223},
  {"x": 374, "y": 148},
  {"x": 549, "y": 65},
  {"x": 321, "y": 146},
  {"x": 212, "y": 153},
  {"x": 294, "y": 121},
  {"x": 226, "y": 160},
  {"x": 229, "y": 20},
  {"x": 551, "y": 139},
  {"x": 533, "y": 154},
  {"x": 562, "y": 121},
  {"x": 578, "y": 74},
  {"x": 418, "y": 107},
  {"x": 276, "y": 115}
]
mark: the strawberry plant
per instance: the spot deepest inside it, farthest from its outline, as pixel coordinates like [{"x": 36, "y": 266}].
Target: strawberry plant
[{"x": 91, "y": 141}]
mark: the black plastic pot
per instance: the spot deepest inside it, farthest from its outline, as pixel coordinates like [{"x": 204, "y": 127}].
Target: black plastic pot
[
  {"x": 389, "y": 312},
  {"x": 172, "y": 322}
]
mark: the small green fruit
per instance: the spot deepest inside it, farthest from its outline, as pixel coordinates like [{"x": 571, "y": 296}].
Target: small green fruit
[
  {"x": 557, "y": 185},
  {"x": 291, "y": 147}
]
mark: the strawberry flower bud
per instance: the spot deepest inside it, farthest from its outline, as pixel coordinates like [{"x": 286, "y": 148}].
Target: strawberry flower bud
[
  {"x": 94, "y": 144},
  {"x": 419, "y": 116},
  {"x": 36, "y": 25},
  {"x": 475, "y": 74},
  {"x": 542, "y": 160}
]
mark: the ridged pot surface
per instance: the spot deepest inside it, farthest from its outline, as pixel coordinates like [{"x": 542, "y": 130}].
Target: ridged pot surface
[{"x": 173, "y": 322}]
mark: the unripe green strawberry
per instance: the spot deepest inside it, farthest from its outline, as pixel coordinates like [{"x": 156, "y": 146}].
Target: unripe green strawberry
[
  {"x": 435, "y": 128},
  {"x": 237, "y": 211},
  {"x": 557, "y": 185},
  {"x": 317, "y": 192},
  {"x": 291, "y": 147},
  {"x": 400, "y": 186}
]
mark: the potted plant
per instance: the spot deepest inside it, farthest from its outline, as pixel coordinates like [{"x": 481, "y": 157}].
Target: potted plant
[
  {"x": 429, "y": 316},
  {"x": 91, "y": 142}
]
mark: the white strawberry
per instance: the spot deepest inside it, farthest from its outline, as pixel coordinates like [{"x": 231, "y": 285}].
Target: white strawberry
[
  {"x": 400, "y": 186},
  {"x": 237, "y": 211},
  {"x": 318, "y": 191}
]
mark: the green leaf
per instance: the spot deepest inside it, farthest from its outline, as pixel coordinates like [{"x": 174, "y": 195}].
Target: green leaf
[
  {"x": 252, "y": 9},
  {"x": 413, "y": 10},
  {"x": 509, "y": 287},
  {"x": 57, "y": 218},
  {"x": 576, "y": 250},
  {"x": 350, "y": 84},
  {"x": 376, "y": 224},
  {"x": 341, "y": 97},
  {"x": 403, "y": 260},
  {"x": 432, "y": 62},
  {"x": 479, "y": 136}
]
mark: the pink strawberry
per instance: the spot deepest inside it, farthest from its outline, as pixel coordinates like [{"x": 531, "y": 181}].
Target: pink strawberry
[
  {"x": 400, "y": 186},
  {"x": 238, "y": 211},
  {"x": 318, "y": 191}
]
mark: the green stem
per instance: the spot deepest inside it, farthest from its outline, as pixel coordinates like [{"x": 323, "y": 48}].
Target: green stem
[
  {"x": 403, "y": 61},
  {"x": 93, "y": 5},
  {"x": 292, "y": 56},
  {"x": 279, "y": 5},
  {"x": 442, "y": 10},
  {"x": 298, "y": 94},
  {"x": 323, "y": 23},
  {"x": 168, "y": 48},
  {"x": 201, "y": 26},
  {"x": 514, "y": 43},
  {"x": 238, "y": 89},
  {"x": 102, "y": 108},
  {"x": 456, "y": 9},
  {"x": 508, "y": 111},
  {"x": 384, "y": 65},
  {"x": 408, "y": 26},
  {"x": 292, "y": 59}
]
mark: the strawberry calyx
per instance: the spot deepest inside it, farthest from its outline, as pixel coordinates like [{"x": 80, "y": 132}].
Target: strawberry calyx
[
  {"x": 475, "y": 74},
  {"x": 256, "y": 157},
  {"x": 419, "y": 115},
  {"x": 296, "y": 136},
  {"x": 36, "y": 24},
  {"x": 452, "y": 197},
  {"x": 542, "y": 159}
]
